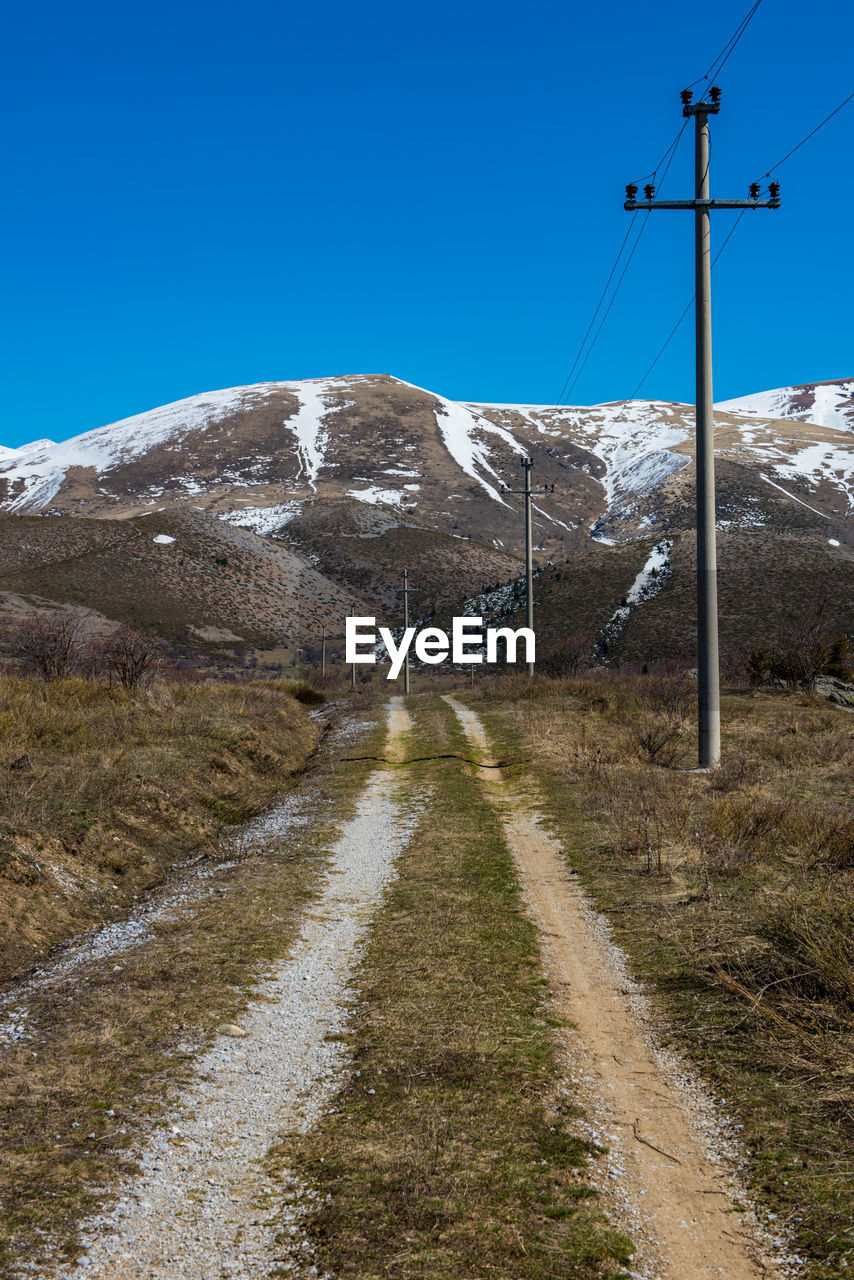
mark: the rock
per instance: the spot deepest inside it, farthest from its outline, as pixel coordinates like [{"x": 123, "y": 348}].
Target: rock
[
  {"x": 231, "y": 1029},
  {"x": 835, "y": 691}
]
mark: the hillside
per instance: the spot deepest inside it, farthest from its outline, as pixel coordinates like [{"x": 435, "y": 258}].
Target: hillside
[{"x": 288, "y": 502}]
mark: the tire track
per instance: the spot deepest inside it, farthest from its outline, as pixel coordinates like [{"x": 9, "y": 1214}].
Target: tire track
[
  {"x": 202, "y": 1206},
  {"x": 670, "y": 1178}
]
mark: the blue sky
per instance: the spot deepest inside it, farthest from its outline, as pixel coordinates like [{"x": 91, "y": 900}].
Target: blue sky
[{"x": 201, "y": 196}]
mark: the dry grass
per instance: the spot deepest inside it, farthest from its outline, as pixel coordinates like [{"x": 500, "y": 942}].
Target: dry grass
[
  {"x": 103, "y": 789},
  {"x": 733, "y": 892}
]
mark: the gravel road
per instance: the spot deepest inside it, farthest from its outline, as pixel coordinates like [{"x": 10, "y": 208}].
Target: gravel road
[{"x": 201, "y": 1206}]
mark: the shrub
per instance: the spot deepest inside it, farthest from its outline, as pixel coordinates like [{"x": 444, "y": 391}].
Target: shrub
[
  {"x": 813, "y": 935},
  {"x": 306, "y": 693},
  {"x": 129, "y": 656},
  {"x": 51, "y": 643}
]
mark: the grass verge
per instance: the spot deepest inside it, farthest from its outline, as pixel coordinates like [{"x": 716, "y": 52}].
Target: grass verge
[
  {"x": 103, "y": 789},
  {"x": 449, "y": 1152},
  {"x": 731, "y": 893}
]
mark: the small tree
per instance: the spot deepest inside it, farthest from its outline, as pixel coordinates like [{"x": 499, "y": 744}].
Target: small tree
[
  {"x": 129, "y": 656},
  {"x": 51, "y": 643}
]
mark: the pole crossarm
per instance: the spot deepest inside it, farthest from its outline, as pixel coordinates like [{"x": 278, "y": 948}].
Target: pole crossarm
[{"x": 631, "y": 205}]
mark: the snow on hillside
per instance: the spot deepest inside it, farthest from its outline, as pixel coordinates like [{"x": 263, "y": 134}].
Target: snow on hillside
[
  {"x": 829, "y": 404},
  {"x": 640, "y": 444},
  {"x": 307, "y": 424},
  {"x": 634, "y": 440},
  {"x": 41, "y": 467},
  {"x": 651, "y": 580},
  {"x": 458, "y": 424},
  {"x": 263, "y": 520}
]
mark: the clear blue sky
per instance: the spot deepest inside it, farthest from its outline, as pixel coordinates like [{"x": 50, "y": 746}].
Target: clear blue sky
[{"x": 204, "y": 195}]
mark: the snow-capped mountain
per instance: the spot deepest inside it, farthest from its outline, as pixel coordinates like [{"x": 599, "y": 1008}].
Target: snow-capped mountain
[
  {"x": 262, "y": 513},
  {"x": 829, "y": 404},
  {"x": 263, "y": 455}
]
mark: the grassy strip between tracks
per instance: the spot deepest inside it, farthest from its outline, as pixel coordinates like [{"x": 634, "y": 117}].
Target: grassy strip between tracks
[
  {"x": 450, "y": 1150},
  {"x": 732, "y": 895},
  {"x": 109, "y": 1052}
]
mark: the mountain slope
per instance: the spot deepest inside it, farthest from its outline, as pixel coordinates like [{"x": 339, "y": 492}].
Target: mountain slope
[
  {"x": 288, "y": 502},
  {"x": 259, "y": 454},
  {"x": 830, "y": 404}
]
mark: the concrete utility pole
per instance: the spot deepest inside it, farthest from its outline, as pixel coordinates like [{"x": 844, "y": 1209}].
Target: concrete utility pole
[
  {"x": 323, "y": 653},
  {"x": 352, "y": 664},
  {"x": 709, "y": 709},
  {"x": 406, "y": 590},
  {"x": 528, "y": 463}
]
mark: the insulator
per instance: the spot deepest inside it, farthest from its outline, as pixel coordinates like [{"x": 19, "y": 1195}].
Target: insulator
[
  {"x": 754, "y": 190},
  {"x": 649, "y": 191},
  {"x": 774, "y": 190},
  {"x": 687, "y": 95},
  {"x": 631, "y": 190},
  {"x": 715, "y": 94}
]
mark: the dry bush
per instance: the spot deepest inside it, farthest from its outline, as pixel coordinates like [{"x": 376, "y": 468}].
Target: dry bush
[
  {"x": 51, "y": 643},
  {"x": 567, "y": 656},
  {"x": 129, "y": 656},
  {"x": 805, "y": 650},
  {"x": 656, "y": 741},
  {"x": 663, "y": 702},
  {"x": 734, "y": 773},
  {"x": 824, "y": 836},
  {"x": 812, "y": 933}
]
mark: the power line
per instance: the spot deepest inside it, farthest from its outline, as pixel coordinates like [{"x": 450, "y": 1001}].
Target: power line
[
  {"x": 714, "y": 69},
  {"x": 717, "y": 66},
  {"x": 596, "y": 311},
  {"x": 610, "y": 305},
  {"x": 670, "y": 153},
  {"x": 811, "y": 134},
  {"x": 678, "y": 323}
]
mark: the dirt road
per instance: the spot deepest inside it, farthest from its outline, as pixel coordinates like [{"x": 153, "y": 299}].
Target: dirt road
[
  {"x": 664, "y": 1181},
  {"x": 201, "y": 1206}
]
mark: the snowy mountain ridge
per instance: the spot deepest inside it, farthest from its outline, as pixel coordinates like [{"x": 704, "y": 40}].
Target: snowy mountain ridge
[{"x": 256, "y": 454}]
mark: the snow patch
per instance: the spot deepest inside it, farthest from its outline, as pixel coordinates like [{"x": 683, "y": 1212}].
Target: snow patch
[
  {"x": 307, "y": 424},
  {"x": 831, "y": 405},
  {"x": 40, "y": 468},
  {"x": 815, "y": 510},
  {"x": 373, "y": 495},
  {"x": 648, "y": 583},
  {"x": 262, "y": 520}
]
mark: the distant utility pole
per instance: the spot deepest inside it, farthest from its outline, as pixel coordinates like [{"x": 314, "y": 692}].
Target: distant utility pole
[
  {"x": 709, "y": 710},
  {"x": 352, "y": 664},
  {"x": 528, "y": 463},
  {"x": 406, "y": 590},
  {"x": 323, "y": 654}
]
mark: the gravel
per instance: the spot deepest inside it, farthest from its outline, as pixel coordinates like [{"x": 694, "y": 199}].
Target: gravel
[{"x": 202, "y": 1206}]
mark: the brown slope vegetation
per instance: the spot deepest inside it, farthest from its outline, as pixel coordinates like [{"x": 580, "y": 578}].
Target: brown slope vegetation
[
  {"x": 368, "y": 547},
  {"x": 210, "y": 575},
  {"x": 767, "y": 583}
]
